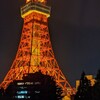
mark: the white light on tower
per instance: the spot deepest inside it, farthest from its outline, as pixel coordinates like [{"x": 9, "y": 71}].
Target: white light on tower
[{"x": 27, "y": 1}]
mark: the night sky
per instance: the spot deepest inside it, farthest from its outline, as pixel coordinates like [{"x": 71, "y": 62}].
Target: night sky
[{"x": 74, "y": 28}]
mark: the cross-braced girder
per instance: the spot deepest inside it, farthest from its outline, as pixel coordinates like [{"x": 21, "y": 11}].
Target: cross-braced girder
[{"x": 35, "y": 53}]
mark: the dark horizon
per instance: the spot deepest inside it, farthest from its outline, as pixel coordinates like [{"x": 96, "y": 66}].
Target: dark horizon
[{"x": 74, "y": 30}]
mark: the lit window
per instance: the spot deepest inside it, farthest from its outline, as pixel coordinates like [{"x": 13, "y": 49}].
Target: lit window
[
  {"x": 28, "y": 83},
  {"x": 28, "y": 97},
  {"x": 37, "y": 91},
  {"x": 22, "y": 92},
  {"x": 23, "y": 87},
  {"x": 19, "y": 96},
  {"x": 37, "y": 83},
  {"x": 20, "y": 83}
]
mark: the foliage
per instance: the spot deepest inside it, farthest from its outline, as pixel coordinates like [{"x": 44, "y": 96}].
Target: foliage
[
  {"x": 96, "y": 88},
  {"x": 44, "y": 87},
  {"x": 1, "y": 93},
  {"x": 84, "y": 89}
]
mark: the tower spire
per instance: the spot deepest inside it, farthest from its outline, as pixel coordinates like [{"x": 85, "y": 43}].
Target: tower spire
[{"x": 35, "y": 50}]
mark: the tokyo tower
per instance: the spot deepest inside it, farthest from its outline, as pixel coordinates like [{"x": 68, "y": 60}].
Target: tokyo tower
[{"x": 35, "y": 50}]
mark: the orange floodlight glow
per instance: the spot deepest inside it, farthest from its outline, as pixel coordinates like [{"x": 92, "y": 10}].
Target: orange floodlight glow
[
  {"x": 41, "y": 1},
  {"x": 35, "y": 51},
  {"x": 28, "y": 1}
]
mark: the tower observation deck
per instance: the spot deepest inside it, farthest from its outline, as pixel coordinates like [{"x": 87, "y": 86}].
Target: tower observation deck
[{"x": 35, "y": 51}]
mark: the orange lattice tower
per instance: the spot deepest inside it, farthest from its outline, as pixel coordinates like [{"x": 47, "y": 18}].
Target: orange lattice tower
[{"x": 35, "y": 51}]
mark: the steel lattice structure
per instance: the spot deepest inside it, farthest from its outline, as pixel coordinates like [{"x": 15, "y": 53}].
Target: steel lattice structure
[{"x": 35, "y": 50}]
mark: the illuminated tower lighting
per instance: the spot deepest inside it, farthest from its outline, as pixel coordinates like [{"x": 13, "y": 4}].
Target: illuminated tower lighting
[{"x": 35, "y": 50}]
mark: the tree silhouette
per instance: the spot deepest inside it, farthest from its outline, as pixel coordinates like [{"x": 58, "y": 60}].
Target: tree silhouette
[
  {"x": 37, "y": 86},
  {"x": 1, "y": 93},
  {"x": 84, "y": 89},
  {"x": 96, "y": 87},
  {"x": 48, "y": 88}
]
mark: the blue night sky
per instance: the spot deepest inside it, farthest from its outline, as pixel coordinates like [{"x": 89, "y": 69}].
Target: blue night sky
[{"x": 74, "y": 28}]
